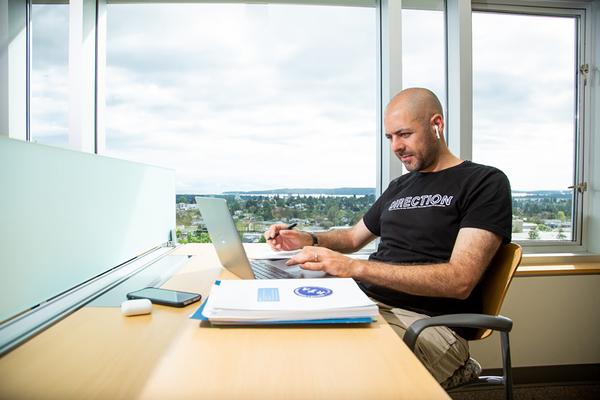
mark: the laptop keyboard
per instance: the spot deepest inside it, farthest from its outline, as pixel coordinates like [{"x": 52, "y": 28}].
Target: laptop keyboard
[{"x": 264, "y": 270}]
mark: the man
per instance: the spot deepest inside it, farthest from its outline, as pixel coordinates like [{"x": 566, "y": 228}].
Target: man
[{"x": 440, "y": 225}]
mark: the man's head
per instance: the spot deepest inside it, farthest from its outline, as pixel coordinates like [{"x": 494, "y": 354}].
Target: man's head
[{"x": 414, "y": 124}]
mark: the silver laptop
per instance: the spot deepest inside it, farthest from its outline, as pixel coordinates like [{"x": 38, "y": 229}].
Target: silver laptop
[{"x": 230, "y": 250}]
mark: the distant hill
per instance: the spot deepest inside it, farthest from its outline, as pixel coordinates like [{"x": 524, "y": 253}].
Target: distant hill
[
  {"x": 335, "y": 191},
  {"x": 190, "y": 198},
  {"x": 348, "y": 191},
  {"x": 542, "y": 193}
]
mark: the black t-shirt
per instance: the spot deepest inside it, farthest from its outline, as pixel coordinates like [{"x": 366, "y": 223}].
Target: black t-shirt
[{"x": 418, "y": 218}]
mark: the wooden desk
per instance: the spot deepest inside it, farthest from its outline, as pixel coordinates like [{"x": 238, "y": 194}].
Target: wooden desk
[{"x": 96, "y": 353}]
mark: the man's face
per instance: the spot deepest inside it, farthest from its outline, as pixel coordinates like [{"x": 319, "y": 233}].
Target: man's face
[{"x": 411, "y": 140}]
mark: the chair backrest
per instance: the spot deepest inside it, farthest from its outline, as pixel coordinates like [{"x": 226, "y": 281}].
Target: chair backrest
[{"x": 495, "y": 282}]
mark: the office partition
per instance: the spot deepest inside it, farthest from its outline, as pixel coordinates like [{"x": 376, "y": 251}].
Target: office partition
[{"x": 68, "y": 216}]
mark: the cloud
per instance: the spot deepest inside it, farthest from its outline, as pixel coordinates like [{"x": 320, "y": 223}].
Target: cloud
[
  {"x": 49, "y": 106},
  {"x": 49, "y": 75},
  {"x": 523, "y": 100},
  {"x": 284, "y": 99},
  {"x": 50, "y": 35},
  {"x": 423, "y": 51},
  {"x": 255, "y": 96}
]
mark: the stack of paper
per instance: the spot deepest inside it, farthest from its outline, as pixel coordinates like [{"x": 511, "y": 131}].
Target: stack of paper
[
  {"x": 278, "y": 301},
  {"x": 272, "y": 254}
]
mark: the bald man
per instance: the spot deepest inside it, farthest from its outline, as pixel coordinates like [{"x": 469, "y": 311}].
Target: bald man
[{"x": 440, "y": 225}]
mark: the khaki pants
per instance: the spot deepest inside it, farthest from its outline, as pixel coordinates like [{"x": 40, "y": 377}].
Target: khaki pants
[{"x": 439, "y": 348}]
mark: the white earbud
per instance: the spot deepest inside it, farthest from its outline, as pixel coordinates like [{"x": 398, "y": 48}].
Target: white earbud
[{"x": 437, "y": 132}]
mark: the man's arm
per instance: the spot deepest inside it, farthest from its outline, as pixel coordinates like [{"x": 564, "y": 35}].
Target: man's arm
[
  {"x": 341, "y": 240},
  {"x": 346, "y": 240},
  {"x": 472, "y": 253}
]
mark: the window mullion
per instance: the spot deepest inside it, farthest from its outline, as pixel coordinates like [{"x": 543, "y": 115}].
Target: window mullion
[
  {"x": 13, "y": 69},
  {"x": 390, "y": 78},
  {"x": 82, "y": 60},
  {"x": 460, "y": 78}
]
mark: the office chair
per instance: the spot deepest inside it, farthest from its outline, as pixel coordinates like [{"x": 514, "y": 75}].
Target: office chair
[{"x": 495, "y": 284}]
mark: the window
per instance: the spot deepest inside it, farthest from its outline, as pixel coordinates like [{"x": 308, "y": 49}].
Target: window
[
  {"x": 424, "y": 47},
  {"x": 207, "y": 81},
  {"x": 273, "y": 106},
  {"x": 525, "y": 113},
  {"x": 50, "y": 74}
]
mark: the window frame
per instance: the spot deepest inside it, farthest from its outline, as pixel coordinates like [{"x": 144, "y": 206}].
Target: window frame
[{"x": 581, "y": 210}]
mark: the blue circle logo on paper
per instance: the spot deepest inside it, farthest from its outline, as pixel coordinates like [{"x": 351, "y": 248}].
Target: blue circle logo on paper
[{"x": 312, "y": 291}]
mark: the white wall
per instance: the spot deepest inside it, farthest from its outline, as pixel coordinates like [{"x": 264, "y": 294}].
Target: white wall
[{"x": 556, "y": 322}]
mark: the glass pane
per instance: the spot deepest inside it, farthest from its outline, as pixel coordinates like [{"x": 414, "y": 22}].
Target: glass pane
[
  {"x": 524, "y": 88},
  {"x": 424, "y": 65},
  {"x": 248, "y": 98},
  {"x": 50, "y": 74}
]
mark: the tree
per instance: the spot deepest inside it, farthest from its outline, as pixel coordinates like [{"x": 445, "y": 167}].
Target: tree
[
  {"x": 199, "y": 237},
  {"x": 266, "y": 213},
  {"x": 561, "y": 235},
  {"x": 543, "y": 228},
  {"x": 332, "y": 213},
  {"x": 534, "y": 234},
  {"x": 184, "y": 217}
]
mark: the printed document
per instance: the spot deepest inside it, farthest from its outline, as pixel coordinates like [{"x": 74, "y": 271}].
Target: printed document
[
  {"x": 273, "y": 254},
  {"x": 289, "y": 300}
]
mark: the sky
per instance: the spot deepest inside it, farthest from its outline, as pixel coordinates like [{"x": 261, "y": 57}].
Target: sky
[
  {"x": 50, "y": 75},
  {"x": 523, "y": 98},
  {"x": 255, "y": 96},
  {"x": 260, "y": 96}
]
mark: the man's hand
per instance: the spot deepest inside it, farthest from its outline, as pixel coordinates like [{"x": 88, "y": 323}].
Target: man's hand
[
  {"x": 321, "y": 259},
  {"x": 281, "y": 238}
]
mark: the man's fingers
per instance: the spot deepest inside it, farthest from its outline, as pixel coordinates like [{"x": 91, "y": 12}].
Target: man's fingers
[
  {"x": 268, "y": 234},
  {"x": 299, "y": 258},
  {"x": 272, "y": 231},
  {"x": 308, "y": 258},
  {"x": 312, "y": 266},
  {"x": 291, "y": 261}
]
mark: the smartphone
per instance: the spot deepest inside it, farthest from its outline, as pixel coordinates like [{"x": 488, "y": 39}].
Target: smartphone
[{"x": 165, "y": 297}]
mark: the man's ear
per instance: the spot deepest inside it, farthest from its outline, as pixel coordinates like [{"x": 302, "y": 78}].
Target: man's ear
[{"x": 438, "y": 125}]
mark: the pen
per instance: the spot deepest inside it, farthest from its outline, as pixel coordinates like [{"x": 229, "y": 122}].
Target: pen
[{"x": 290, "y": 226}]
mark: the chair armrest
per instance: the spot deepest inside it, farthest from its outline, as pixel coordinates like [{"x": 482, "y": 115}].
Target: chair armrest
[{"x": 481, "y": 321}]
